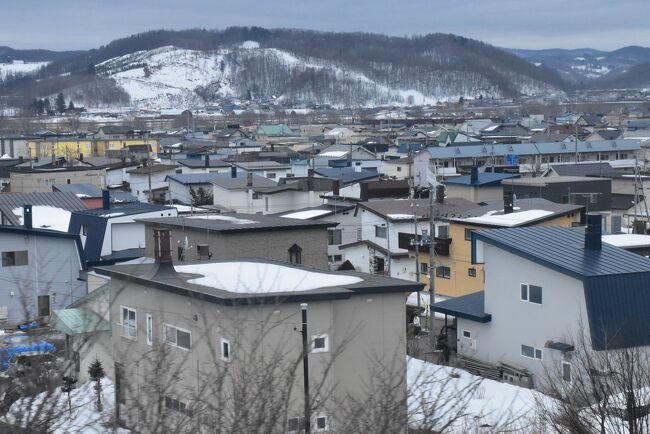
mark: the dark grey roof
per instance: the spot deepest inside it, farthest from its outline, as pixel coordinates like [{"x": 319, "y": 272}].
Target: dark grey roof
[
  {"x": 543, "y": 182},
  {"x": 225, "y": 180},
  {"x": 601, "y": 169},
  {"x": 261, "y": 165},
  {"x": 563, "y": 249},
  {"x": 165, "y": 277},
  {"x": 152, "y": 169},
  {"x": 236, "y": 222},
  {"x": 114, "y": 129},
  {"x": 122, "y": 209},
  {"x": 11, "y": 201},
  {"x": 347, "y": 175},
  {"x": 200, "y": 162},
  {"x": 453, "y": 206},
  {"x": 471, "y": 307}
]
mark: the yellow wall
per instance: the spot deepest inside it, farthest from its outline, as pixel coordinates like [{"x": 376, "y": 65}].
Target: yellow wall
[
  {"x": 72, "y": 148},
  {"x": 460, "y": 259}
]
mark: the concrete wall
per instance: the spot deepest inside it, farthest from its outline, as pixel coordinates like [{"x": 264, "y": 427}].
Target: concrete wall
[
  {"x": 515, "y": 322},
  {"x": 53, "y": 269},
  {"x": 24, "y": 182},
  {"x": 475, "y": 194},
  {"x": 364, "y": 329},
  {"x": 272, "y": 245}
]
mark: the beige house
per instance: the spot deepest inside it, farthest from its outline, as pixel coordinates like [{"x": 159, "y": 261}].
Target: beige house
[{"x": 26, "y": 180}]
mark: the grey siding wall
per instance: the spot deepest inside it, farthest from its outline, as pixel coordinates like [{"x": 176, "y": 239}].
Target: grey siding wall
[
  {"x": 366, "y": 328},
  {"x": 515, "y": 322},
  {"x": 272, "y": 245},
  {"x": 53, "y": 269}
]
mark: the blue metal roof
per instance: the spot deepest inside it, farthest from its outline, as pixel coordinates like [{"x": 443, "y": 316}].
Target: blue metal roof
[
  {"x": 484, "y": 179},
  {"x": 347, "y": 175},
  {"x": 501, "y": 150},
  {"x": 562, "y": 249},
  {"x": 471, "y": 307}
]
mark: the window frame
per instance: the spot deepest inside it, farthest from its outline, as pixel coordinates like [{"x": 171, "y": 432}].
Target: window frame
[
  {"x": 471, "y": 272},
  {"x": 525, "y": 295},
  {"x": 468, "y": 332},
  {"x": 334, "y": 237},
  {"x": 15, "y": 257},
  {"x": 295, "y": 252},
  {"x": 315, "y": 423},
  {"x": 468, "y": 231},
  {"x": 326, "y": 347},
  {"x": 149, "y": 328},
  {"x": 228, "y": 357},
  {"x": 440, "y": 272},
  {"x": 534, "y": 352},
  {"x": 424, "y": 268},
  {"x": 175, "y": 343},
  {"x": 570, "y": 380},
  {"x": 198, "y": 251},
  {"x": 135, "y": 322},
  {"x": 383, "y": 229}
]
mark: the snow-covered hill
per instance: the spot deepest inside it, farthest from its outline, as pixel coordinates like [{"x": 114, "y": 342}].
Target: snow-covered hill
[
  {"x": 19, "y": 68},
  {"x": 175, "y": 77}
]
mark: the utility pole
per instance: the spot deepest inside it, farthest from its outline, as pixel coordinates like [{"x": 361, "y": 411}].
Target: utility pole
[
  {"x": 432, "y": 266},
  {"x": 305, "y": 368},
  {"x": 417, "y": 243}
]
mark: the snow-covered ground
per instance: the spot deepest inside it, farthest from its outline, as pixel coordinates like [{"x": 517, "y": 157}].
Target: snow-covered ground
[
  {"x": 20, "y": 68},
  {"x": 83, "y": 419},
  {"x": 483, "y": 402}
]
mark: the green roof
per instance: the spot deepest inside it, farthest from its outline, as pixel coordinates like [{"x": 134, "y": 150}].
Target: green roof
[
  {"x": 78, "y": 320},
  {"x": 281, "y": 130}
]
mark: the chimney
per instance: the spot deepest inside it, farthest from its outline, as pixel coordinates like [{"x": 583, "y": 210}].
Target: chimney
[
  {"x": 21, "y": 159},
  {"x": 508, "y": 204},
  {"x": 593, "y": 232},
  {"x": 310, "y": 173},
  {"x": 336, "y": 187},
  {"x": 162, "y": 245},
  {"x": 440, "y": 194},
  {"x": 27, "y": 216},
  {"x": 106, "y": 199},
  {"x": 249, "y": 179},
  {"x": 81, "y": 157},
  {"x": 473, "y": 176},
  {"x": 207, "y": 161},
  {"x": 233, "y": 171}
]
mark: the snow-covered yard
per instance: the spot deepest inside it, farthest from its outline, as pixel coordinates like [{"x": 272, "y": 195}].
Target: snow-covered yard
[{"x": 84, "y": 418}]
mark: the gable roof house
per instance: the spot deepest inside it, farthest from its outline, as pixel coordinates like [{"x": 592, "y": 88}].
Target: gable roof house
[
  {"x": 49, "y": 210},
  {"x": 589, "y": 288},
  {"x": 477, "y": 186},
  {"x": 152, "y": 177},
  {"x": 92, "y": 196},
  {"x": 112, "y": 233},
  {"x": 204, "y": 165},
  {"x": 42, "y": 270}
]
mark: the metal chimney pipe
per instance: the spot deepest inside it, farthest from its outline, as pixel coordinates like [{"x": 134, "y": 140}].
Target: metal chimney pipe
[
  {"x": 27, "y": 216},
  {"x": 508, "y": 205},
  {"x": 249, "y": 179},
  {"x": 594, "y": 232},
  {"x": 106, "y": 199},
  {"x": 207, "y": 161},
  {"x": 233, "y": 171}
]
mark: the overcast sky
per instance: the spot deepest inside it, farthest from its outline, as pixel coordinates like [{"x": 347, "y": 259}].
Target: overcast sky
[{"x": 82, "y": 24}]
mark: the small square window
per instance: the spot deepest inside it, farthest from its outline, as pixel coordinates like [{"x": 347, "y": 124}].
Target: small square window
[
  {"x": 14, "y": 259},
  {"x": 424, "y": 268},
  {"x": 225, "y": 350},
  {"x": 203, "y": 251},
  {"x": 319, "y": 344},
  {"x": 524, "y": 292},
  {"x": 535, "y": 294},
  {"x": 467, "y": 334},
  {"x": 468, "y": 234},
  {"x": 471, "y": 272},
  {"x": 566, "y": 372},
  {"x": 380, "y": 231},
  {"x": 321, "y": 423},
  {"x": 443, "y": 272},
  {"x": 295, "y": 424}
]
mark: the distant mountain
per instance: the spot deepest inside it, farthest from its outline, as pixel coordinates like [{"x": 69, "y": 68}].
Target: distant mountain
[
  {"x": 637, "y": 77},
  {"x": 587, "y": 66},
  {"x": 8, "y": 54},
  {"x": 184, "y": 68}
]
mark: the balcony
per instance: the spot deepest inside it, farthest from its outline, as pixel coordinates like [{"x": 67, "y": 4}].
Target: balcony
[{"x": 442, "y": 246}]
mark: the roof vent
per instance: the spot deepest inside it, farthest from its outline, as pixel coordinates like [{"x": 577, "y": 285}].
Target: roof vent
[
  {"x": 27, "y": 216},
  {"x": 106, "y": 199},
  {"x": 593, "y": 232},
  {"x": 508, "y": 202}
]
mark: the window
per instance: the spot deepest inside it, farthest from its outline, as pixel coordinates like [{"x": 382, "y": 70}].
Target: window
[
  {"x": 333, "y": 236},
  {"x": 225, "y": 350},
  {"x": 471, "y": 272},
  {"x": 467, "y": 334},
  {"x": 181, "y": 253},
  {"x": 129, "y": 322},
  {"x": 176, "y": 405},
  {"x": 566, "y": 372},
  {"x": 335, "y": 258},
  {"x": 256, "y": 195},
  {"x": 319, "y": 344},
  {"x": 468, "y": 234},
  {"x": 270, "y": 175},
  {"x": 531, "y": 352},
  {"x": 295, "y": 254},
  {"x": 399, "y": 168},
  {"x": 203, "y": 250},
  {"x": 177, "y": 337},
  {"x": 380, "y": 231},
  {"x": 14, "y": 259},
  {"x": 84, "y": 230},
  {"x": 321, "y": 423},
  {"x": 443, "y": 272},
  {"x": 531, "y": 293},
  {"x": 295, "y": 424},
  {"x": 149, "y": 329},
  {"x": 424, "y": 268}
]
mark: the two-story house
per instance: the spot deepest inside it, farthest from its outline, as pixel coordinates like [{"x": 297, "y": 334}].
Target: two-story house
[{"x": 546, "y": 288}]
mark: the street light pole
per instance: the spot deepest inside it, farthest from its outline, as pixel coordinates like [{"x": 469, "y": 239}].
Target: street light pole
[{"x": 305, "y": 368}]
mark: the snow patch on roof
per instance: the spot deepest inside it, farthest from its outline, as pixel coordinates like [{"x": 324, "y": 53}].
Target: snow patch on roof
[
  {"x": 334, "y": 154},
  {"x": 508, "y": 220},
  {"x": 627, "y": 240},
  {"x": 261, "y": 278},
  {"x": 226, "y": 218},
  {"x": 308, "y": 214},
  {"x": 400, "y": 216},
  {"x": 46, "y": 217}
]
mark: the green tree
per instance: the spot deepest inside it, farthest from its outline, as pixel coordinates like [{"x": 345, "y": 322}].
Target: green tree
[
  {"x": 96, "y": 373},
  {"x": 70, "y": 106},
  {"x": 47, "y": 106},
  {"x": 60, "y": 103},
  {"x": 200, "y": 196}
]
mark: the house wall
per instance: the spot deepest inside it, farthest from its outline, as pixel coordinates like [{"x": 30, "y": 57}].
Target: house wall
[
  {"x": 558, "y": 193},
  {"x": 271, "y": 245},
  {"x": 475, "y": 194},
  {"x": 460, "y": 258},
  {"x": 364, "y": 328},
  {"x": 135, "y": 231},
  {"x": 53, "y": 269},
  {"x": 181, "y": 192},
  {"x": 140, "y": 183},
  {"x": 515, "y": 322},
  {"x": 26, "y": 182},
  {"x": 394, "y": 170}
]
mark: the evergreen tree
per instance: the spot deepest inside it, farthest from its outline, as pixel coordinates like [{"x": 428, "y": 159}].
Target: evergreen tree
[
  {"x": 47, "y": 106},
  {"x": 201, "y": 196},
  {"x": 96, "y": 373},
  {"x": 70, "y": 106},
  {"x": 60, "y": 103},
  {"x": 68, "y": 386}
]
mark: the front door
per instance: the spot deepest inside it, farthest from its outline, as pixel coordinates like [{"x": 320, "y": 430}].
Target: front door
[{"x": 43, "y": 305}]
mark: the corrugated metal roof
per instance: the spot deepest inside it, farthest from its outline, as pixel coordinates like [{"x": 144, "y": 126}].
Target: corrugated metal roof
[
  {"x": 230, "y": 222},
  {"x": 347, "y": 175},
  {"x": 484, "y": 179},
  {"x": 563, "y": 249},
  {"x": 11, "y": 201},
  {"x": 471, "y": 307}
]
